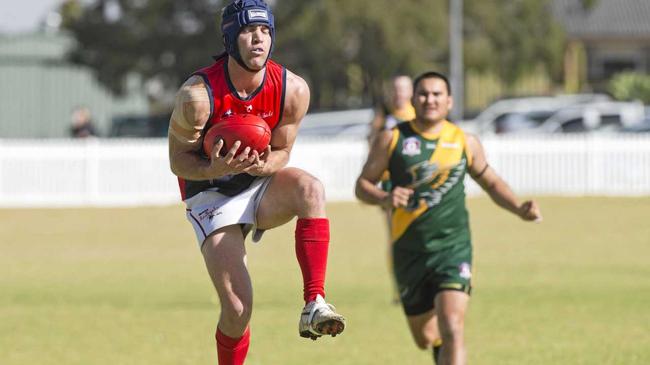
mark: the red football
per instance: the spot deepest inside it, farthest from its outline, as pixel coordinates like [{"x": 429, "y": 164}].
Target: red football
[{"x": 250, "y": 129}]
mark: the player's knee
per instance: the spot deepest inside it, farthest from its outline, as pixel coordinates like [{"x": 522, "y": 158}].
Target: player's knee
[
  {"x": 425, "y": 339},
  {"x": 235, "y": 317},
  {"x": 311, "y": 191},
  {"x": 422, "y": 343}
]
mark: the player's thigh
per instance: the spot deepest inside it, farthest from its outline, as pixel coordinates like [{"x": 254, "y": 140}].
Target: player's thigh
[
  {"x": 424, "y": 328},
  {"x": 450, "y": 307},
  {"x": 284, "y": 197},
  {"x": 225, "y": 258}
]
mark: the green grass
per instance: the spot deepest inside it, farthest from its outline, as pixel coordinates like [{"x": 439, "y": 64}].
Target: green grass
[{"x": 128, "y": 286}]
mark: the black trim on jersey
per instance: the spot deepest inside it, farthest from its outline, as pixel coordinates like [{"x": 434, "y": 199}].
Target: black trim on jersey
[
  {"x": 284, "y": 91},
  {"x": 234, "y": 91},
  {"x": 206, "y": 81},
  {"x": 220, "y": 56}
]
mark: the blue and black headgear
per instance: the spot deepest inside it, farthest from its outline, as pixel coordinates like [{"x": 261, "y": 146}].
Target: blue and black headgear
[{"x": 239, "y": 14}]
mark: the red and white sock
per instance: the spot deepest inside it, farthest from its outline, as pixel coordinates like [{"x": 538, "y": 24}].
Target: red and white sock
[
  {"x": 232, "y": 351},
  {"x": 312, "y": 243}
]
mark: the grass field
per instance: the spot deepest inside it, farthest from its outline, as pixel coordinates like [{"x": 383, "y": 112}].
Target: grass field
[{"x": 128, "y": 286}]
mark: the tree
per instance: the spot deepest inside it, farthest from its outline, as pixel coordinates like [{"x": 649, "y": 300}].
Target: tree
[
  {"x": 345, "y": 49},
  {"x": 163, "y": 40},
  {"x": 348, "y": 48},
  {"x": 511, "y": 38}
]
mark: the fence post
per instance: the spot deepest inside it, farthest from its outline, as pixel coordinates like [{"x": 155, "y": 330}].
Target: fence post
[{"x": 92, "y": 171}]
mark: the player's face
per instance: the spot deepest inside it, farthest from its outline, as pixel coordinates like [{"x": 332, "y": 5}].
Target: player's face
[
  {"x": 254, "y": 43},
  {"x": 432, "y": 101}
]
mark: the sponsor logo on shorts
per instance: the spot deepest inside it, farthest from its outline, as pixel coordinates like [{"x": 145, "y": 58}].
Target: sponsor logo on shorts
[
  {"x": 464, "y": 270},
  {"x": 209, "y": 213}
]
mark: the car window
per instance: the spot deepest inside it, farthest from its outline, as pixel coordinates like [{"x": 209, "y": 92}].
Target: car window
[
  {"x": 515, "y": 122},
  {"x": 610, "y": 120},
  {"x": 573, "y": 126}
]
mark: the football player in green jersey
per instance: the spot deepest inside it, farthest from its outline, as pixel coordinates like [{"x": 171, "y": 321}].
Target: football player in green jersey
[{"x": 432, "y": 253}]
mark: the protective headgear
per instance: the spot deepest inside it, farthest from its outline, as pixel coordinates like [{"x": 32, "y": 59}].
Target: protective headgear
[{"x": 239, "y": 14}]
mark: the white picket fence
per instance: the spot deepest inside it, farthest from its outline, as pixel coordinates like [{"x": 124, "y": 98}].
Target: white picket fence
[{"x": 136, "y": 172}]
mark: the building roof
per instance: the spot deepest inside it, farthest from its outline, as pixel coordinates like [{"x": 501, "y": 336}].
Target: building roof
[
  {"x": 35, "y": 46},
  {"x": 604, "y": 18}
]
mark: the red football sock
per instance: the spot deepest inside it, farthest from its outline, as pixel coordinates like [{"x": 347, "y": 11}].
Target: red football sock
[
  {"x": 312, "y": 242},
  {"x": 232, "y": 351}
]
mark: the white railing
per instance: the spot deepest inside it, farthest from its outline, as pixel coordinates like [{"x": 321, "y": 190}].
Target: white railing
[{"x": 136, "y": 172}]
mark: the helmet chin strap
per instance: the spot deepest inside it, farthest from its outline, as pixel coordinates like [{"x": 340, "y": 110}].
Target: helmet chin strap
[
  {"x": 240, "y": 61},
  {"x": 243, "y": 65}
]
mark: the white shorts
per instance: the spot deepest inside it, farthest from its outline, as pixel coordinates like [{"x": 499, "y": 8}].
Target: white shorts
[{"x": 210, "y": 210}]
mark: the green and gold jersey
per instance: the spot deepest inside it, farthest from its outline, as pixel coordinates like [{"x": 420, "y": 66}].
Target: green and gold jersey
[{"x": 434, "y": 166}]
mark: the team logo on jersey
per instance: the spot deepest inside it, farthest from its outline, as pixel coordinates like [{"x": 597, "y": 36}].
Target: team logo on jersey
[
  {"x": 422, "y": 173},
  {"x": 249, "y": 108},
  {"x": 411, "y": 146},
  {"x": 227, "y": 113},
  {"x": 464, "y": 270}
]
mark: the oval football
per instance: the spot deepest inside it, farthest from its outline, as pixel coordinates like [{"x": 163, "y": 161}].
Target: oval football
[{"x": 251, "y": 130}]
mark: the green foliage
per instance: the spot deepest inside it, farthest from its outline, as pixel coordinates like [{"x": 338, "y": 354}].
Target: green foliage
[
  {"x": 162, "y": 39},
  {"x": 512, "y": 38},
  {"x": 325, "y": 39},
  {"x": 344, "y": 49},
  {"x": 630, "y": 86}
]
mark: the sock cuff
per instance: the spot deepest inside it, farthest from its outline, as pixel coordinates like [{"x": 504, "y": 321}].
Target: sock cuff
[
  {"x": 313, "y": 228},
  {"x": 230, "y": 342}
]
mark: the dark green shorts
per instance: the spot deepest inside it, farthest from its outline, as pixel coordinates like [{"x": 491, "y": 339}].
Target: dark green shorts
[
  {"x": 386, "y": 185},
  {"x": 421, "y": 276}
]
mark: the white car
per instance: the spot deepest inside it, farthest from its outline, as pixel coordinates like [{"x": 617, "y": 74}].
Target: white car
[
  {"x": 519, "y": 114},
  {"x": 608, "y": 116}
]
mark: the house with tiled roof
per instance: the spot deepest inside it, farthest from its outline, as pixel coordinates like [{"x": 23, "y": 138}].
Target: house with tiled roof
[{"x": 604, "y": 37}]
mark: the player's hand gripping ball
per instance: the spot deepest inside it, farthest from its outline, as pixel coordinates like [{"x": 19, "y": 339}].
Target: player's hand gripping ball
[{"x": 250, "y": 129}]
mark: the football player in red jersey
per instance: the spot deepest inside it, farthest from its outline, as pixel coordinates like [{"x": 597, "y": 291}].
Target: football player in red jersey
[{"x": 228, "y": 197}]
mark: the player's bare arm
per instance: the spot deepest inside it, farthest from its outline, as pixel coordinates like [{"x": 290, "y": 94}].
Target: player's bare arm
[
  {"x": 366, "y": 187},
  {"x": 284, "y": 134},
  {"x": 188, "y": 120},
  {"x": 495, "y": 186},
  {"x": 376, "y": 124}
]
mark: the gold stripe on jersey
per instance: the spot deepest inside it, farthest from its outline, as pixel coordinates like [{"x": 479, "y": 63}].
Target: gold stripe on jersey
[
  {"x": 393, "y": 142},
  {"x": 402, "y": 219},
  {"x": 385, "y": 176},
  {"x": 448, "y": 153},
  {"x": 468, "y": 152}
]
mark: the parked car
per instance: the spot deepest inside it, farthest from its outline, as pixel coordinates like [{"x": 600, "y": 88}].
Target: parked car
[
  {"x": 140, "y": 126},
  {"x": 520, "y": 114},
  {"x": 353, "y": 124},
  {"x": 608, "y": 116}
]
